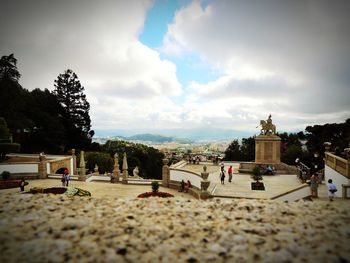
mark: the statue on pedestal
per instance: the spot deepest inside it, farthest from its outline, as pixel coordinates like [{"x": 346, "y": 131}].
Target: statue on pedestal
[{"x": 267, "y": 127}]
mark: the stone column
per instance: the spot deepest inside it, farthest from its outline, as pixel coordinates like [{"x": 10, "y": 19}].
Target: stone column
[
  {"x": 82, "y": 174},
  {"x": 204, "y": 184},
  {"x": 42, "y": 166},
  {"x": 116, "y": 171},
  {"x": 125, "y": 170},
  {"x": 165, "y": 173},
  {"x": 74, "y": 162}
]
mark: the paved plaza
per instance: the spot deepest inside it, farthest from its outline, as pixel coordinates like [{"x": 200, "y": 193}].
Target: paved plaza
[{"x": 240, "y": 187}]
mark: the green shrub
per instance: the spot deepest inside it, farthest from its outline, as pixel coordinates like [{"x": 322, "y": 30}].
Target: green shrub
[
  {"x": 5, "y": 175},
  {"x": 103, "y": 160},
  {"x": 257, "y": 173},
  {"x": 155, "y": 186}
]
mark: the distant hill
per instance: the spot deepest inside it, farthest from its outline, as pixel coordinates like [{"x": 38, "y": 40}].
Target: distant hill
[
  {"x": 190, "y": 135},
  {"x": 148, "y": 137}
]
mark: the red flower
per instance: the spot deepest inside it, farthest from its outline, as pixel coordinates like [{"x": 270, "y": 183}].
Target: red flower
[{"x": 158, "y": 194}]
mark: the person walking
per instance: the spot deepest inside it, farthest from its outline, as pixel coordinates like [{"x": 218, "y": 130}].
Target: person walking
[
  {"x": 331, "y": 189},
  {"x": 229, "y": 171},
  {"x": 67, "y": 177},
  {"x": 222, "y": 177},
  {"x": 63, "y": 179},
  {"x": 314, "y": 185}
]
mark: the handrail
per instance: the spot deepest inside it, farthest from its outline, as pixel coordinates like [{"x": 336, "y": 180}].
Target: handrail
[
  {"x": 183, "y": 170},
  {"x": 290, "y": 191},
  {"x": 338, "y": 164}
]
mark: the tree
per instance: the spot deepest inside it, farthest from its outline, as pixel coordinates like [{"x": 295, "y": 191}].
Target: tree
[
  {"x": 47, "y": 133},
  {"x": 233, "y": 152},
  {"x": 70, "y": 95},
  {"x": 248, "y": 149},
  {"x": 6, "y": 145},
  {"x": 13, "y": 98},
  {"x": 148, "y": 159},
  {"x": 8, "y": 68}
]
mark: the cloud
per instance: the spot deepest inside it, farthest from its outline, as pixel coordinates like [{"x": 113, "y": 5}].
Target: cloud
[
  {"x": 125, "y": 81},
  {"x": 286, "y": 58}
]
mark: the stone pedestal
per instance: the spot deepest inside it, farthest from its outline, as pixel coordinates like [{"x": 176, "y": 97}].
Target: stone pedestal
[
  {"x": 74, "y": 162},
  {"x": 165, "y": 173},
  {"x": 267, "y": 149},
  {"x": 42, "y": 167},
  {"x": 125, "y": 170},
  {"x": 82, "y": 173},
  {"x": 204, "y": 194},
  {"x": 116, "y": 171}
]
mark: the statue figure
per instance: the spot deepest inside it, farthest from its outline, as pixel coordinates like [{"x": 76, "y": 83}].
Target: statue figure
[
  {"x": 135, "y": 172},
  {"x": 267, "y": 127}
]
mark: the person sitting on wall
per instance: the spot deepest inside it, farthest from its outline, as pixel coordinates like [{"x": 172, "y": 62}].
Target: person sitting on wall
[
  {"x": 187, "y": 185},
  {"x": 269, "y": 170}
]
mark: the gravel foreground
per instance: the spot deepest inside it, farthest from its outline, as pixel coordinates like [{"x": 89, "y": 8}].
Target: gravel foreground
[{"x": 49, "y": 228}]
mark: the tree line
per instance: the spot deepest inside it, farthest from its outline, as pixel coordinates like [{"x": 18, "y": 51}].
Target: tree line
[{"x": 57, "y": 121}]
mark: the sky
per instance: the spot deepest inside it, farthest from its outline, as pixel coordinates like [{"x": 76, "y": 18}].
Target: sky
[{"x": 181, "y": 64}]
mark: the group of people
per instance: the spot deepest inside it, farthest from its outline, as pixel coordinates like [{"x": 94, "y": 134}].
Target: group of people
[
  {"x": 65, "y": 178},
  {"x": 314, "y": 181},
  {"x": 193, "y": 159},
  {"x": 222, "y": 173},
  {"x": 185, "y": 186}
]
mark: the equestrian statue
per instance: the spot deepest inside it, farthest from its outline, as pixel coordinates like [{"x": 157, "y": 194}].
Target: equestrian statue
[{"x": 267, "y": 127}]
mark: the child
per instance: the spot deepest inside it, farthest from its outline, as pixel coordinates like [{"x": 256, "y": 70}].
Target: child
[{"x": 331, "y": 189}]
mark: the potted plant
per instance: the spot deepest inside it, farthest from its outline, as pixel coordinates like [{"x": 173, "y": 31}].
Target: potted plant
[{"x": 257, "y": 185}]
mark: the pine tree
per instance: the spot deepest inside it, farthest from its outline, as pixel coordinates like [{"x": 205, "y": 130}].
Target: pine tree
[{"x": 70, "y": 94}]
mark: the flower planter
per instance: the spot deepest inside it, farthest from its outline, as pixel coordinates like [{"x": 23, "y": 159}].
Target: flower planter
[
  {"x": 155, "y": 194},
  {"x": 258, "y": 186},
  {"x": 11, "y": 184}
]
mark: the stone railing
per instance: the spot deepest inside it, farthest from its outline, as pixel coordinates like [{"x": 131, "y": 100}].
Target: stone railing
[
  {"x": 294, "y": 194},
  {"x": 337, "y": 163},
  {"x": 172, "y": 177}
]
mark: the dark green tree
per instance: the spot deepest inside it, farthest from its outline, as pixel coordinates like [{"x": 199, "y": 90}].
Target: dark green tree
[
  {"x": 248, "y": 149},
  {"x": 233, "y": 152},
  {"x": 70, "y": 95},
  {"x": 48, "y": 133},
  {"x": 8, "y": 68},
  {"x": 6, "y": 145},
  {"x": 148, "y": 159},
  {"x": 13, "y": 98}
]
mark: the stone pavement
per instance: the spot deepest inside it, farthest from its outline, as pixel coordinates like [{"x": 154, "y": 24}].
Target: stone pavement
[{"x": 241, "y": 184}]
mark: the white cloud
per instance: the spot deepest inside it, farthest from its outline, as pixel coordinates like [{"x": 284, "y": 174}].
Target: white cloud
[
  {"x": 125, "y": 81},
  {"x": 290, "y": 59}
]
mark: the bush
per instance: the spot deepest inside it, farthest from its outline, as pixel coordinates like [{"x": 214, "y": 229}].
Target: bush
[
  {"x": 5, "y": 175},
  {"x": 155, "y": 186},
  {"x": 103, "y": 160},
  {"x": 257, "y": 173}
]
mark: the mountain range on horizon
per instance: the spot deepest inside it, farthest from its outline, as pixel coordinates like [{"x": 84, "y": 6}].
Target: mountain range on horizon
[{"x": 182, "y": 135}]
